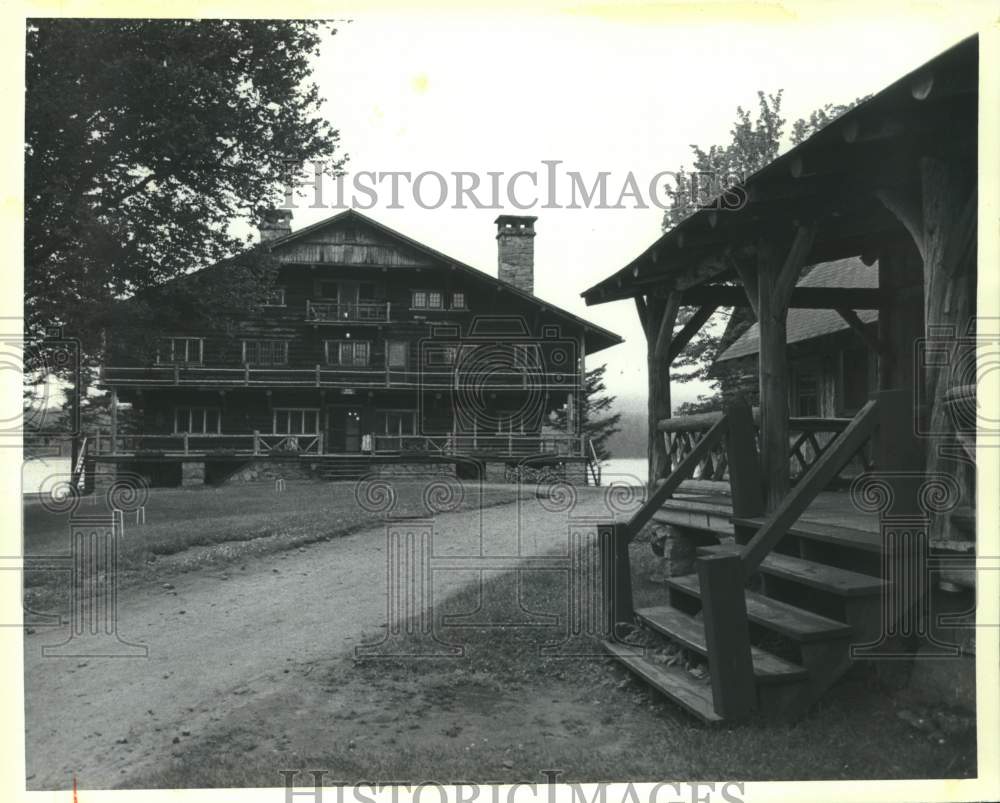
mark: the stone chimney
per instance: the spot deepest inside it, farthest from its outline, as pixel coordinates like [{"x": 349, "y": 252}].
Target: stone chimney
[
  {"x": 516, "y": 251},
  {"x": 274, "y": 223}
]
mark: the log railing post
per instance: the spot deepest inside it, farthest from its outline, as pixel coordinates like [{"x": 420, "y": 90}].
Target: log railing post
[
  {"x": 616, "y": 574},
  {"x": 727, "y": 634},
  {"x": 746, "y": 490}
]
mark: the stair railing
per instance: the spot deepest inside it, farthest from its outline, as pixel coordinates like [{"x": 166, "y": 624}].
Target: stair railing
[
  {"x": 77, "y": 480},
  {"x": 616, "y": 537}
]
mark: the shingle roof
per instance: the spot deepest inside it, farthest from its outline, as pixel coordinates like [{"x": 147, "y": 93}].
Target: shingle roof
[{"x": 805, "y": 324}]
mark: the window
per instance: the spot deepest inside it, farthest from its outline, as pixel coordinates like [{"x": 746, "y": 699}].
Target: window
[
  {"x": 427, "y": 299},
  {"x": 182, "y": 350},
  {"x": 807, "y": 396},
  {"x": 348, "y": 353},
  {"x": 274, "y": 298},
  {"x": 296, "y": 421},
  {"x": 441, "y": 355},
  {"x": 458, "y": 300},
  {"x": 328, "y": 290},
  {"x": 527, "y": 355},
  {"x": 396, "y": 353},
  {"x": 399, "y": 422},
  {"x": 197, "y": 420},
  {"x": 265, "y": 352}
]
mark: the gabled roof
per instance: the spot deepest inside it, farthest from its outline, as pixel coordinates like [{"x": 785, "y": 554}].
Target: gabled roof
[
  {"x": 596, "y": 337},
  {"x": 806, "y": 324}
]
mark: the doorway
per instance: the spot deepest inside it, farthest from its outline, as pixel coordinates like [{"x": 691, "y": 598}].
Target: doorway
[{"x": 344, "y": 429}]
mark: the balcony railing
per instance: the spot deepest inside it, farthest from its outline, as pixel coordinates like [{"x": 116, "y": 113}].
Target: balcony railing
[
  {"x": 336, "y": 312},
  {"x": 506, "y": 444},
  {"x": 322, "y": 376}
]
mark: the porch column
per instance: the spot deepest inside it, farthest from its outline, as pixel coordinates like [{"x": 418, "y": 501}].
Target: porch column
[
  {"x": 778, "y": 266},
  {"x": 658, "y": 317}
]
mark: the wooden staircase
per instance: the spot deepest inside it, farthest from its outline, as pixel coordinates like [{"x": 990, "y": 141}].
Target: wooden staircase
[{"x": 774, "y": 613}]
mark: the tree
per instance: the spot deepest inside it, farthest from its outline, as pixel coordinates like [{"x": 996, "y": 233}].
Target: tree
[
  {"x": 597, "y": 423},
  {"x": 145, "y": 140},
  {"x": 754, "y": 142}
]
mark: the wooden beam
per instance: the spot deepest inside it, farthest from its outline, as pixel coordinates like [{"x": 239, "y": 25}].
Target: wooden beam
[
  {"x": 905, "y": 205},
  {"x": 788, "y": 275},
  {"x": 690, "y": 329},
  {"x": 800, "y": 297},
  {"x": 661, "y": 316},
  {"x": 642, "y": 310},
  {"x": 748, "y": 277},
  {"x": 669, "y": 320},
  {"x": 851, "y": 319}
]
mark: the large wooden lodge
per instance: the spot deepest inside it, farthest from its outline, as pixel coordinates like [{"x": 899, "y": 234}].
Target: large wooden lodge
[
  {"x": 856, "y": 253},
  {"x": 371, "y": 352}
]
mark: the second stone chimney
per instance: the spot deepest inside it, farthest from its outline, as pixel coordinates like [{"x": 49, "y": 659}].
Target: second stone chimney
[
  {"x": 516, "y": 251},
  {"x": 274, "y": 224}
]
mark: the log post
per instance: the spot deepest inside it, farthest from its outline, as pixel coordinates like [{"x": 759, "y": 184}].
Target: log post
[
  {"x": 114, "y": 420},
  {"x": 777, "y": 271},
  {"x": 660, "y": 316},
  {"x": 949, "y": 225},
  {"x": 727, "y": 634},
  {"x": 747, "y": 492},
  {"x": 616, "y": 575}
]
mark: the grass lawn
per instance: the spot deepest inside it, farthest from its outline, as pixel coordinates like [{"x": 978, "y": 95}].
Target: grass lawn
[
  {"x": 506, "y": 712},
  {"x": 188, "y": 529}
]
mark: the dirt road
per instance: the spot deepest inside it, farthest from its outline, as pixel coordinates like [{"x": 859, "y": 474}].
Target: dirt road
[{"x": 213, "y": 638}]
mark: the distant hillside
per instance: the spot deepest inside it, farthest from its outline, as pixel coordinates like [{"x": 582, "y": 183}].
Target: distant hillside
[{"x": 631, "y": 441}]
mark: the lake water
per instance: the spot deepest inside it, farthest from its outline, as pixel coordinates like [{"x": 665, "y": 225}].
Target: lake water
[{"x": 625, "y": 470}]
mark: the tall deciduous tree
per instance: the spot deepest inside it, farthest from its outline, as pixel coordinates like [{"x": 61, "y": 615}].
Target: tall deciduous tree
[{"x": 145, "y": 140}]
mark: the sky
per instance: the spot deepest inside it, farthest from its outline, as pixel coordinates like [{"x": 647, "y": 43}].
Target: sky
[{"x": 506, "y": 91}]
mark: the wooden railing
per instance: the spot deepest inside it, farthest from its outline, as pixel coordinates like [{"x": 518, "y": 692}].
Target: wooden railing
[
  {"x": 77, "y": 478},
  {"x": 180, "y": 444},
  {"x": 323, "y": 376},
  {"x": 511, "y": 444},
  {"x": 358, "y": 312},
  {"x": 730, "y": 440},
  {"x": 809, "y": 438},
  {"x": 834, "y": 457},
  {"x": 593, "y": 463}
]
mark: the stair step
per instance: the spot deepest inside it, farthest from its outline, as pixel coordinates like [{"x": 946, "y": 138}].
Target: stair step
[
  {"x": 690, "y": 633},
  {"x": 842, "y": 582},
  {"x": 827, "y": 533},
  {"x": 791, "y": 622},
  {"x": 672, "y": 681}
]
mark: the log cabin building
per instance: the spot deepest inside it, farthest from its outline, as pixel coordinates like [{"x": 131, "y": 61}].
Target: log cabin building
[
  {"x": 371, "y": 352},
  {"x": 795, "y": 578},
  {"x": 832, "y": 368}
]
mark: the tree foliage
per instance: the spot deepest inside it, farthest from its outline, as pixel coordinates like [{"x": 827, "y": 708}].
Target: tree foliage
[
  {"x": 145, "y": 140},
  {"x": 597, "y": 422}
]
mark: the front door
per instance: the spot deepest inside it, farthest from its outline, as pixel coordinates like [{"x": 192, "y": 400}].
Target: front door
[{"x": 344, "y": 432}]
